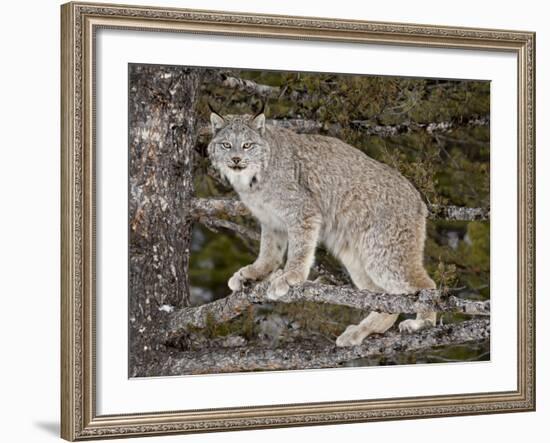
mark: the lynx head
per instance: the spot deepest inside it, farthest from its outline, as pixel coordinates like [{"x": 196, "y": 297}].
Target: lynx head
[{"x": 238, "y": 149}]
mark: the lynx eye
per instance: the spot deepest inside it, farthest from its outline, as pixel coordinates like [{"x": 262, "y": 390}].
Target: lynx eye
[
  {"x": 248, "y": 146},
  {"x": 225, "y": 145}
]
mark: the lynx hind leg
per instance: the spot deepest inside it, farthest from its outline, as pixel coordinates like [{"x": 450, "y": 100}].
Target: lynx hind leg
[
  {"x": 352, "y": 261},
  {"x": 423, "y": 320},
  {"x": 375, "y": 322},
  {"x": 402, "y": 272}
]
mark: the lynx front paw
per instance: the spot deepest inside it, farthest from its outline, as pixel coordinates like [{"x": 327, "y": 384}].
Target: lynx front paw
[
  {"x": 352, "y": 336},
  {"x": 236, "y": 282},
  {"x": 239, "y": 278},
  {"x": 281, "y": 282},
  {"x": 278, "y": 286},
  {"x": 410, "y": 326}
]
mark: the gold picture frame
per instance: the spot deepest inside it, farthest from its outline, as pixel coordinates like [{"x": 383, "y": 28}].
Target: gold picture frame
[{"x": 79, "y": 22}]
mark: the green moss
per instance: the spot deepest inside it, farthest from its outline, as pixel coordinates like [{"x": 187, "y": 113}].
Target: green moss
[{"x": 243, "y": 325}]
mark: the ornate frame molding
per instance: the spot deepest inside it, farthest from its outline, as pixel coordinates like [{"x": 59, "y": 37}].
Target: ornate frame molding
[{"x": 79, "y": 420}]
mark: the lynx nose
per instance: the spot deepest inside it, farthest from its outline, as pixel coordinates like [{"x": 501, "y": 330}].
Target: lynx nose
[{"x": 236, "y": 160}]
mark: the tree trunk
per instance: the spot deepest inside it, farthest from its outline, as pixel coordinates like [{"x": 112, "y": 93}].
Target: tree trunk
[{"x": 162, "y": 135}]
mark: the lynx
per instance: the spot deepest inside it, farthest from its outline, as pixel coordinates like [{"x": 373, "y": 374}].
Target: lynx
[{"x": 305, "y": 189}]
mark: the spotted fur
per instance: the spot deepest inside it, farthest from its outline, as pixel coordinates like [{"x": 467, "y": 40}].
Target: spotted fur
[{"x": 306, "y": 189}]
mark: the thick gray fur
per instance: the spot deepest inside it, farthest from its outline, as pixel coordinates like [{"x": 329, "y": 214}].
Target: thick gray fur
[{"x": 306, "y": 189}]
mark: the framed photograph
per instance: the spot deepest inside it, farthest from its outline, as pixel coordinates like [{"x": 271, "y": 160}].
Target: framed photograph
[{"x": 280, "y": 221}]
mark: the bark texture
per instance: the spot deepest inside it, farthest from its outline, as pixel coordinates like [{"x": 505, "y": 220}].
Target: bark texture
[
  {"x": 458, "y": 213},
  {"x": 225, "y": 309},
  {"x": 162, "y": 136},
  {"x": 314, "y": 355}
]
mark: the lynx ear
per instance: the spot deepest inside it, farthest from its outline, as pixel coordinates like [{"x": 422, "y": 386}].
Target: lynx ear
[
  {"x": 216, "y": 120},
  {"x": 258, "y": 121}
]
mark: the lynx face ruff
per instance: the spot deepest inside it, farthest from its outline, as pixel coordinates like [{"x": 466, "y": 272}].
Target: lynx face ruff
[{"x": 309, "y": 188}]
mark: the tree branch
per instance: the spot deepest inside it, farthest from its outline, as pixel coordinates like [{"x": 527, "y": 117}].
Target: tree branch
[
  {"x": 458, "y": 213},
  {"x": 369, "y": 128},
  {"x": 306, "y": 126},
  {"x": 303, "y": 126},
  {"x": 430, "y": 127},
  {"x": 211, "y": 207},
  {"x": 250, "y": 87},
  {"x": 215, "y": 224},
  {"x": 313, "y": 355},
  {"x": 225, "y": 309},
  {"x": 201, "y": 207}
]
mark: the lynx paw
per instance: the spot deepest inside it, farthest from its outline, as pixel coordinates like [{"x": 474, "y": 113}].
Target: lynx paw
[
  {"x": 281, "y": 281},
  {"x": 352, "y": 336},
  {"x": 278, "y": 287},
  {"x": 409, "y": 326},
  {"x": 237, "y": 281}
]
